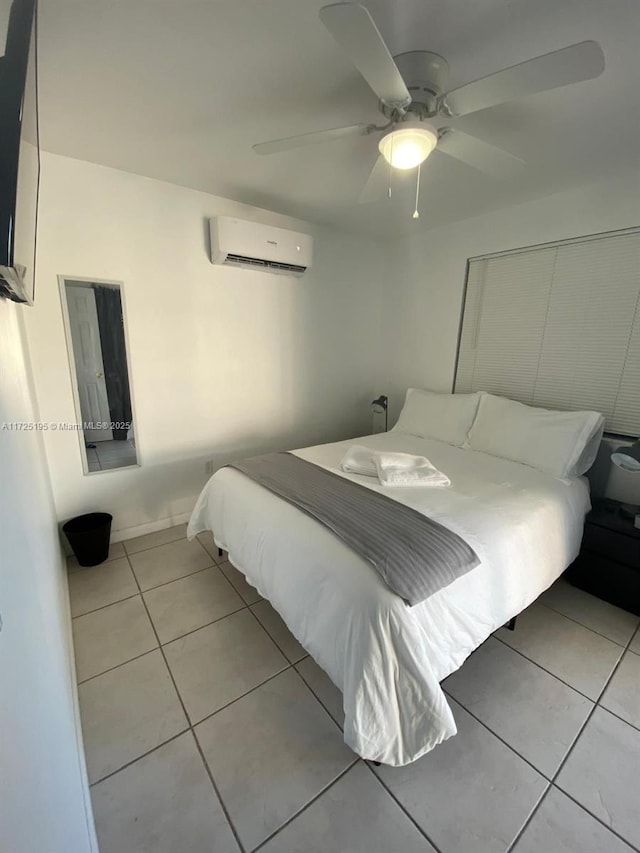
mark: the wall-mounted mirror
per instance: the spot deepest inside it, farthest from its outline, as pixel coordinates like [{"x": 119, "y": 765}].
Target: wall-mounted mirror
[{"x": 96, "y": 341}]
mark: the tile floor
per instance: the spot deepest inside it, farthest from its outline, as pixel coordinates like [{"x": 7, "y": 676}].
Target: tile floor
[
  {"x": 207, "y": 727},
  {"x": 110, "y": 454}
]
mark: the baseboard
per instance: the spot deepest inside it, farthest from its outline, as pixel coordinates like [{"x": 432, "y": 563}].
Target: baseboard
[
  {"x": 82, "y": 763},
  {"x": 149, "y": 527}
]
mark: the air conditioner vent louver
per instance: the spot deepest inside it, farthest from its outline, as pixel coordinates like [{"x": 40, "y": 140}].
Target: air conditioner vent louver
[
  {"x": 255, "y": 246},
  {"x": 260, "y": 262}
]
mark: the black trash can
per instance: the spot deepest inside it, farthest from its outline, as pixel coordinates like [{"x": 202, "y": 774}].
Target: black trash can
[{"x": 88, "y": 536}]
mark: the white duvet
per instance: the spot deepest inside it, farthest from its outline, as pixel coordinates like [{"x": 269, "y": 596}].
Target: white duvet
[{"x": 387, "y": 658}]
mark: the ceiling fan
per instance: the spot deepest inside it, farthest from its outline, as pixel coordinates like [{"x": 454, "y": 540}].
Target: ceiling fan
[{"x": 413, "y": 97}]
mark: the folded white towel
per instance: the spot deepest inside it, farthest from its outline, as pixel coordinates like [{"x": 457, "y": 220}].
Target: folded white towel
[
  {"x": 359, "y": 460},
  {"x": 392, "y": 469},
  {"x": 403, "y": 469}
]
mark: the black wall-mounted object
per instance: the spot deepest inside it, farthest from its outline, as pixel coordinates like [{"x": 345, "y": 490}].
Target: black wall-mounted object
[
  {"x": 19, "y": 153},
  {"x": 381, "y": 404}
]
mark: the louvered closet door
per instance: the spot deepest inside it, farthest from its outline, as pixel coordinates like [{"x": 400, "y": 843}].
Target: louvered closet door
[{"x": 558, "y": 326}]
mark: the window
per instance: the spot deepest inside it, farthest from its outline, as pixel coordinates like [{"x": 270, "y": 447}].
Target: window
[{"x": 557, "y": 326}]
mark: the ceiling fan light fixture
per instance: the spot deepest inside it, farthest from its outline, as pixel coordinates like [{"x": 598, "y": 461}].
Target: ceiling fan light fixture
[{"x": 408, "y": 146}]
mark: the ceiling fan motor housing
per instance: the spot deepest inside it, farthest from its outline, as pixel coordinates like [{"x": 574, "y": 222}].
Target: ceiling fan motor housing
[
  {"x": 413, "y": 91},
  {"x": 426, "y": 76}
]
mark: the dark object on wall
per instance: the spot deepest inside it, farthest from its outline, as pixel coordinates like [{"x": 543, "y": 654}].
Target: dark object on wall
[
  {"x": 609, "y": 562},
  {"x": 114, "y": 356},
  {"x": 89, "y": 536},
  {"x": 19, "y": 154},
  {"x": 381, "y": 404}
]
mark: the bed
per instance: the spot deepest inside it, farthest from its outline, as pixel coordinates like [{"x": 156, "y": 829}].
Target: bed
[{"x": 387, "y": 658}]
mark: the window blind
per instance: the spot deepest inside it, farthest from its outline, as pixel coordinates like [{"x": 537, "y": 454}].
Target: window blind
[{"x": 557, "y": 326}]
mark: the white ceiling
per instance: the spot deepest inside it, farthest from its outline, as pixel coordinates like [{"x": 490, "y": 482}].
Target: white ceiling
[{"x": 180, "y": 89}]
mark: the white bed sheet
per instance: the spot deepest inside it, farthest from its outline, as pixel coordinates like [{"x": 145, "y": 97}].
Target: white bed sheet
[{"x": 388, "y": 659}]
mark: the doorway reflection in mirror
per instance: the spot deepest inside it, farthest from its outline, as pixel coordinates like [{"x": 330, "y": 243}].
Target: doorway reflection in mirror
[{"x": 98, "y": 359}]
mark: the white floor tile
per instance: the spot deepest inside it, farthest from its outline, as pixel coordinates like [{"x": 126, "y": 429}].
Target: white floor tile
[
  {"x": 93, "y": 463},
  {"x": 206, "y": 540},
  {"x": 191, "y": 602},
  {"x": 602, "y": 773},
  {"x": 355, "y": 815},
  {"x": 572, "y": 652},
  {"x": 217, "y": 664},
  {"x": 127, "y": 712},
  {"x": 622, "y": 696},
  {"x": 275, "y": 626},
  {"x": 535, "y": 713},
  {"x": 118, "y": 462},
  {"x": 97, "y": 586},
  {"x": 272, "y": 746},
  {"x": 560, "y": 826},
  {"x": 116, "y": 549},
  {"x": 116, "y": 454},
  {"x": 165, "y": 563},
  {"x": 152, "y": 540},
  {"x": 270, "y": 753},
  {"x": 610, "y": 621},
  {"x": 162, "y": 803},
  {"x": 249, "y": 593},
  {"x": 111, "y": 636},
  {"x": 471, "y": 794},
  {"x": 326, "y": 691}
]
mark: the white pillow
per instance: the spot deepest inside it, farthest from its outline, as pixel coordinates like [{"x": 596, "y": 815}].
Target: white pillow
[
  {"x": 591, "y": 448},
  {"x": 562, "y": 444},
  {"x": 445, "y": 417}
]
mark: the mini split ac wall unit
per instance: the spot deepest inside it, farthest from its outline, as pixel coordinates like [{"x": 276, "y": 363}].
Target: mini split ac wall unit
[{"x": 251, "y": 245}]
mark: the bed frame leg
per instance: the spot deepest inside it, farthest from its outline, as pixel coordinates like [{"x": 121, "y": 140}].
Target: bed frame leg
[
  {"x": 220, "y": 552},
  {"x": 511, "y": 624}
]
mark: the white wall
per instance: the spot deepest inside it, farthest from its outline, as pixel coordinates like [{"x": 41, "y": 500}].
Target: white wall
[
  {"x": 223, "y": 361},
  {"x": 44, "y": 796},
  {"x": 227, "y": 361},
  {"x": 423, "y": 300}
]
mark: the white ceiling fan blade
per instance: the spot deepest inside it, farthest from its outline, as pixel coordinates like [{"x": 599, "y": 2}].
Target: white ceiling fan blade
[
  {"x": 304, "y": 139},
  {"x": 354, "y": 29},
  {"x": 481, "y": 155},
  {"x": 582, "y": 61},
  {"x": 377, "y": 185}
]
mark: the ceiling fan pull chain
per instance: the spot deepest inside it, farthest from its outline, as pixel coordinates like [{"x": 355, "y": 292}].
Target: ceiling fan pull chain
[{"x": 416, "y": 212}]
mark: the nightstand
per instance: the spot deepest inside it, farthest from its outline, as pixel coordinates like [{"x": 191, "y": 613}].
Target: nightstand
[{"x": 609, "y": 561}]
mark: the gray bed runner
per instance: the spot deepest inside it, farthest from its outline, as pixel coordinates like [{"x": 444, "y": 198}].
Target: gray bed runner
[{"x": 413, "y": 554}]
